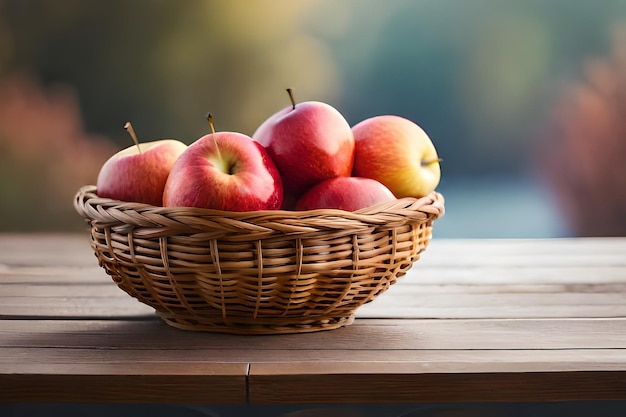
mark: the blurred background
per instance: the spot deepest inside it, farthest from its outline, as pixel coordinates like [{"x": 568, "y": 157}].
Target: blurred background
[{"x": 524, "y": 100}]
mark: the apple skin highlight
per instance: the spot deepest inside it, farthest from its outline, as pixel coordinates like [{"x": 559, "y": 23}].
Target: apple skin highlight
[
  {"x": 224, "y": 171},
  {"x": 139, "y": 173},
  {"x": 398, "y": 153},
  {"x": 309, "y": 142}
]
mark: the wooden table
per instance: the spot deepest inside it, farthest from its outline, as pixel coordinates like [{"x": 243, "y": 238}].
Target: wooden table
[{"x": 474, "y": 321}]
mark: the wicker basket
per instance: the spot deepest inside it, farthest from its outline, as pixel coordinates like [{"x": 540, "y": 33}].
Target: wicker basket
[{"x": 261, "y": 272}]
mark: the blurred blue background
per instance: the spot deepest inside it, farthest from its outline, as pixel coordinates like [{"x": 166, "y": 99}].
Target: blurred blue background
[{"x": 524, "y": 100}]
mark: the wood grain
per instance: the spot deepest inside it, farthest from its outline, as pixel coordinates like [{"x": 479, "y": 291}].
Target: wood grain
[
  {"x": 360, "y": 386},
  {"x": 379, "y": 335},
  {"x": 115, "y": 385},
  {"x": 473, "y": 321}
]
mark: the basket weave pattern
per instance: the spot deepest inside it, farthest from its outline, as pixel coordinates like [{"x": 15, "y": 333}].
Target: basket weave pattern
[{"x": 256, "y": 272}]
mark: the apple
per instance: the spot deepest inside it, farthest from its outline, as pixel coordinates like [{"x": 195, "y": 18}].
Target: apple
[
  {"x": 138, "y": 173},
  {"x": 345, "y": 193},
  {"x": 398, "y": 153},
  {"x": 309, "y": 142},
  {"x": 224, "y": 171}
]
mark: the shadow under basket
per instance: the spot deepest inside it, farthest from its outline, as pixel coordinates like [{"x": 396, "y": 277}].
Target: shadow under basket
[{"x": 262, "y": 272}]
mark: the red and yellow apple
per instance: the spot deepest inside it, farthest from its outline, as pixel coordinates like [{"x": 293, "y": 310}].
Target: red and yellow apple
[
  {"x": 224, "y": 171},
  {"x": 345, "y": 193},
  {"x": 309, "y": 142},
  {"x": 138, "y": 173},
  {"x": 398, "y": 153}
]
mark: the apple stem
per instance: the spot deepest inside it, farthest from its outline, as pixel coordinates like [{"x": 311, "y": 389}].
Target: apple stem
[
  {"x": 293, "y": 102},
  {"x": 431, "y": 161},
  {"x": 131, "y": 132},
  {"x": 209, "y": 118}
]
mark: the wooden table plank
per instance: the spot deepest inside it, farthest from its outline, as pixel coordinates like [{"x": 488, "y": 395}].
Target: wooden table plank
[
  {"x": 497, "y": 305},
  {"x": 45, "y": 250},
  {"x": 289, "y": 361},
  {"x": 368, "y": 334},
  {"x": 524, "y": 252},
  {"x": 124, "y": 383},
  {"x": 361, "y": 384},
  {"x": 426, "y": 305},
  {"x": 474, "y": 320},
  {"x": 530, "y": 274},
  {"x": 25, "y": 293},
  {"x": 72, "y": 307}
]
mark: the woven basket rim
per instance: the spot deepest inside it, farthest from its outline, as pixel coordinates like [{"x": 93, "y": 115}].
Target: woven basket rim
[
  {"x": 87, "y": 195},
  {"x": 144, "y": 219}
]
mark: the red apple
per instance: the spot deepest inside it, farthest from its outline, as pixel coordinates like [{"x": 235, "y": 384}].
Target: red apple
[
  {"x": 139, "y": 173},
  {"x": 345, "y": 193},
  {"x": 309, "y": 142},
  {"x": 224, "y": 171},
  {"x": 398, "y": 153}
]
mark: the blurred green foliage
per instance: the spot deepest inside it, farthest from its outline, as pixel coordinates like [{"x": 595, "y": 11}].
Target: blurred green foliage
[
  {"x": 165, "y": 64},
  {"x": 481, "y": 76}
]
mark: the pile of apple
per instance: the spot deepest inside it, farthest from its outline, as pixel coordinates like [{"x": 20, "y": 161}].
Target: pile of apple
[{"x": 304, "y": 157}]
